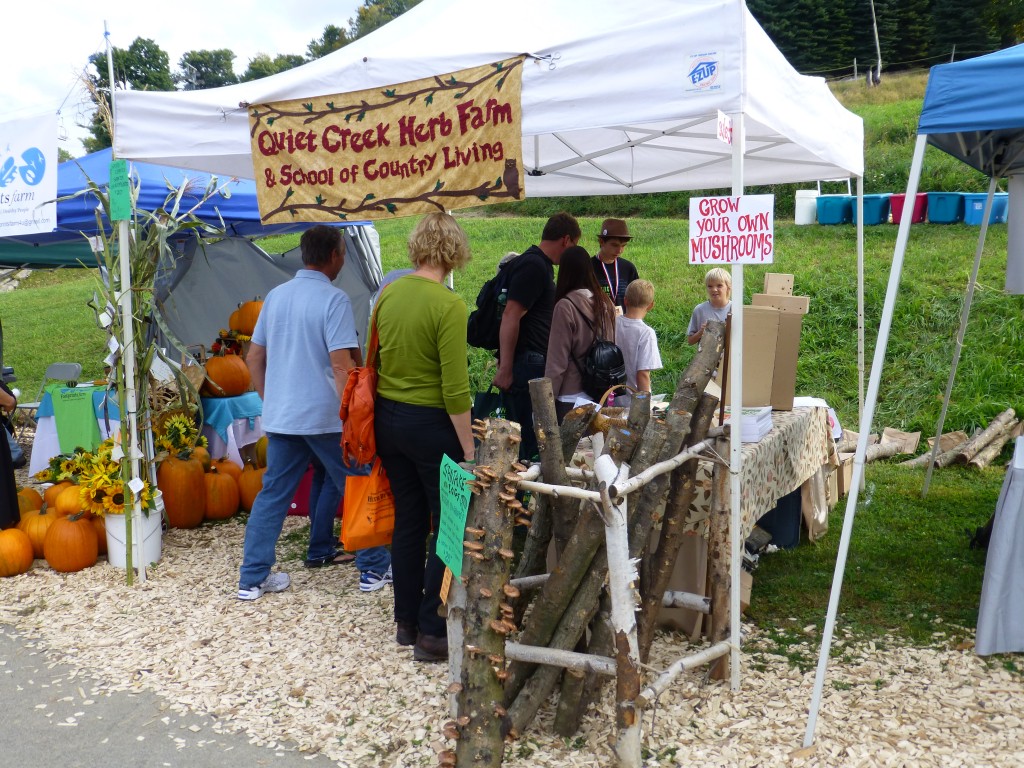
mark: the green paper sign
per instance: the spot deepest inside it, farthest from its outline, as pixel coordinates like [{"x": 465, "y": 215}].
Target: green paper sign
[
  {"x": 454, "y": 508},
  {"x": 120, "y": 191}
]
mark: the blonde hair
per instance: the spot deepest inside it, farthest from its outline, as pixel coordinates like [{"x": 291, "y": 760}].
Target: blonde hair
[
  {"x": 439, "y": 241},
  {"x": 719, "y": 274},
  {"x": 640, "y": 294}
]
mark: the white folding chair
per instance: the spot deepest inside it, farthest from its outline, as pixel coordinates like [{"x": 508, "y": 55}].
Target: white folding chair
[{"x": 66, "y": 372}]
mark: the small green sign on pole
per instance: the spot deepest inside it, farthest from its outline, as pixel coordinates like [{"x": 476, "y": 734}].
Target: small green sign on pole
[
  {"x": 454, "y": 508},
  {"x": 120, "y": 191}
]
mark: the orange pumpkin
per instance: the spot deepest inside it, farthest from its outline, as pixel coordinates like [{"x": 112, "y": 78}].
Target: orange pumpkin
[
  {"x": 70, "y": 544},
  {"x": 250, "y": 483},
  {"x": 69, "y": 502},
  {"x": 50, "y": 494},
  {"x": 100, "y": 526},
  {"x": 15, "y": 552},
  {"x": 35, "y": 525},
  {"x": 226, "y": 467},
  {"x": 248, "y": 314},
  {"x": 29, "y": 499},
  {"x": 199, "y": 452},
  {"x": 226, "y": 376},
  {"x": 234, "y": 319},
  {"x": 261, "y": 451},
  {"x": 184, "y": 492},
  {"x": 221, "y": 495}
]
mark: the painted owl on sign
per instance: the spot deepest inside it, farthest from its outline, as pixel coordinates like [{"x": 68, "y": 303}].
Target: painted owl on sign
[{"x": 510, "y": 178}]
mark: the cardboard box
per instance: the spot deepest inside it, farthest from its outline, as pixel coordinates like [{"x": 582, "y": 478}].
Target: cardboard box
[
  {"x": 832, "y": 485},
  {"x": 844, "y": 475},
  {"x": 799, "y": 304},
  {"x": 771, "y": 345},
  {"x": 778, "y": 283}
]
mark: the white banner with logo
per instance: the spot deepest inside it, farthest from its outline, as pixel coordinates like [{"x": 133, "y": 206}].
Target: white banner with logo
[{"x": 28, "y": 175}]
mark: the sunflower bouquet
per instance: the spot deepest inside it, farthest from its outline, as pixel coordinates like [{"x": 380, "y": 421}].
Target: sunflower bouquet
[
  {"x": 98, "y": 476},
  {"x": 178, "y": 435}
]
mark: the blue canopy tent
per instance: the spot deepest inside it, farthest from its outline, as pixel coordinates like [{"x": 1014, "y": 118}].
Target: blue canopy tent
[
  {"x": 972, "y": 112},
  {"x": 200, "y": 287}
]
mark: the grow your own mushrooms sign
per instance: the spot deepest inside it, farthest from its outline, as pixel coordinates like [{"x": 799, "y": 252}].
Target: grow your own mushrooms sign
[
  {"x": 443, "y": 142},
  {"x": 732, "y": 230}
]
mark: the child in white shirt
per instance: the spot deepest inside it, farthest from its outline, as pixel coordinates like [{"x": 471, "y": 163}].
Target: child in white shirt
[{"x": 636, "y": 339}]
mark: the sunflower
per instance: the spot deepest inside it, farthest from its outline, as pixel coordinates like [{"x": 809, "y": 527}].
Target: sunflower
[{"x": 113, "y": 500}]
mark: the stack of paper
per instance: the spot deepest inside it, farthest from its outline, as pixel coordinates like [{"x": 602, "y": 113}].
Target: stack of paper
[{"x": 757, "y": 422}]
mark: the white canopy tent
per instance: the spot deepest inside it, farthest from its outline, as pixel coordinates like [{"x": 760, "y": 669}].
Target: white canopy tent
[{"x": 616, "y": 99}]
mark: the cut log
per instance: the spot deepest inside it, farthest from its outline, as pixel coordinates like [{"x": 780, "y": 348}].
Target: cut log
[
  {"x": 985, "y": 456},
  {"x": 881, "y": 451},
  {"x": 564, "y": 511},
  {"x": 947, "y": 458},
  {"x": 976, "y": 443},
  {"x": 481, "y": 723}
]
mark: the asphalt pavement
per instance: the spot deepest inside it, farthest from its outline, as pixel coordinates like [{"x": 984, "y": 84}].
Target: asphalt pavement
[{"x": 53, "y": 714}]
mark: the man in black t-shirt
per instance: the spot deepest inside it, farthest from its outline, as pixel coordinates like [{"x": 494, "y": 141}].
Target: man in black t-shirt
[
  {"x": 613, "y": 272},
  {"x": 526, "y": 322}
]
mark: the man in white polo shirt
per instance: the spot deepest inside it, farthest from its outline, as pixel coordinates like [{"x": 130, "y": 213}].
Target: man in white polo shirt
[{"x": 302, "y": 349}]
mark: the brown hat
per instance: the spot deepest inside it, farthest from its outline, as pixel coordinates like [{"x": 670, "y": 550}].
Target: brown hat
[{"x": 615, "y": 228}]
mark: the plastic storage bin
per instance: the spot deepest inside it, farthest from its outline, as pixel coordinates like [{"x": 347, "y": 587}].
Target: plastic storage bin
[
  {"x": 876, "y": 209},
  {"x": 920, "y": 207},
  {"x": 974, "y": 207},
  {"x": 945, "y": 207},
  {"x": 835, "y": 209},
  {"x": 806, "y": 206}
]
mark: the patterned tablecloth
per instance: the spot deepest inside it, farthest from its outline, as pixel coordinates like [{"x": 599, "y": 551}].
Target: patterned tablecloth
[{"x": 796, "y": 447}]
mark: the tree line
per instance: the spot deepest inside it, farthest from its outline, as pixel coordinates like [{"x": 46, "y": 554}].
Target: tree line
[
  {"x": 144, "y": 66},
  {"x": 833, "y": 38}
]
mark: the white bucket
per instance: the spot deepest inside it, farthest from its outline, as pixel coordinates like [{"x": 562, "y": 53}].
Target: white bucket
[
  {"x": 806, "y": 206},
  {"x": 152, "y": 539}
]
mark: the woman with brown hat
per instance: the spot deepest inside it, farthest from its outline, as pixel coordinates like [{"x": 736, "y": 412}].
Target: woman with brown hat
[{"x": 613, "y": 272}]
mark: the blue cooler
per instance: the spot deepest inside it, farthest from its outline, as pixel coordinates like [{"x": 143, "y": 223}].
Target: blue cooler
[
  {"x": 974, "y": 207},
  {"x": 835, "y": 209},
  {"x": 945, "y": 207},
  {"x": 876, "y": 209}
]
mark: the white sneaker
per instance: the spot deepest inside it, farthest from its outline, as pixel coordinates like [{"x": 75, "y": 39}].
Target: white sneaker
[
  {"x": 371, "y": 582},
  {"x": 275, "y": 582}
]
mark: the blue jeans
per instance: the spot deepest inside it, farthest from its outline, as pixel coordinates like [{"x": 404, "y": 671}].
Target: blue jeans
[{"x": 287, "y": 459}]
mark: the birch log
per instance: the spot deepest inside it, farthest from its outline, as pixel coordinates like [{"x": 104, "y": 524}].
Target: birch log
[
  {"x": 944, "y": 458},
  {"x": 985, "y": 456},
  {"x": 879, "y": 451},
  {"x": 564, "y": 511},
  {"x": 719, "y": 558},
  {"x": 977, "y": 443},
  {"x": 481, "y": 724}
]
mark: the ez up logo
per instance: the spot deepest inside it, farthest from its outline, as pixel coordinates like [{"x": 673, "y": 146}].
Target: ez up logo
[
  {"x": 31, "y": 172},
  {"x": 703, "y": 72}
]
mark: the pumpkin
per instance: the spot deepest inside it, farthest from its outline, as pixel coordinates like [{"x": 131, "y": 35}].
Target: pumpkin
[
  {"x": 184, "y": 492},
  {"x": 100, "y": 526},
  {"x": 250, "y": 483},
  {"x": 226, "y": 467},
  {"x": 50, "y": 494},
  {"x": 261, "y": 452},
  {"x": 199, "y": 452},
  {"x": 70, "y": 544},
  {"x": 35, "y": 525},
  {"x": 246, "y": 316},
  {"x": 221, "y": 495},
  {"x": 15, "y": 552},
  {"x": 29, "y": 499},
  {"x": 226, "y": 376},
  {"x": 234, "y": 319},
  {"x": 69, "y": 502}
]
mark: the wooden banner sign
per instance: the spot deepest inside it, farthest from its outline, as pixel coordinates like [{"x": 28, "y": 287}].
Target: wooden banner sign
[{"x": 444, "y": 142}]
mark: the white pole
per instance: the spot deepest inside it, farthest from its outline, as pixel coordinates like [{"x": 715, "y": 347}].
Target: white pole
[
  {"x": 124, "y": 301},
  {"x": 860, "y": 296},
  {"x": 865, "y": 428},
  {"x": 736, "y": 432},
  {"x": 959, "y": 345}
]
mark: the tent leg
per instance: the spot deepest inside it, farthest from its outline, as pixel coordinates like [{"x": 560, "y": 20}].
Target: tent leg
[
  {"x": 959, "y": 345},
  {"x": 860, "y": 297},
  {"x": 862, "y": 440}
]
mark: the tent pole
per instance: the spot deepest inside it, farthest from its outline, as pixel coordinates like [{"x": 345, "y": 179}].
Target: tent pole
[
  {"x": 862, "y": 440},
  {"x": 736, "y": 431},
  {"x": 958, "y": 346},
  {"x": 860, "y": 297}
]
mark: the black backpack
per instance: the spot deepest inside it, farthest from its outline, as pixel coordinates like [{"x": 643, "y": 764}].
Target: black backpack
[
  {"x": 484, "y": 324},
  {"x": 603, "y": 366}
]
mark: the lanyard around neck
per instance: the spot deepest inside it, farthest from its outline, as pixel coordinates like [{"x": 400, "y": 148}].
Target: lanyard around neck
[{"x": 608, "y": 279}]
